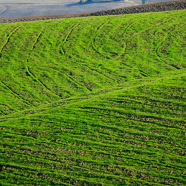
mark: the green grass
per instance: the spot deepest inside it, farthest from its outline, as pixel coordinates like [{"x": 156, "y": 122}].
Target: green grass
[{"x": 94, "y": 101}]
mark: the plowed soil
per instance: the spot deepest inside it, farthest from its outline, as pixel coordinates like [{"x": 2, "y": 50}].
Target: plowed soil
[{"x": 153, "y": 7}]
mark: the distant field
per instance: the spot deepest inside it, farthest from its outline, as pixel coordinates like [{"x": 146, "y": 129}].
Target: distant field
[
  {"x": 21, "y": 8},
  {"x": 94, "y": 101},
  {"x": 152, "y": 7}
]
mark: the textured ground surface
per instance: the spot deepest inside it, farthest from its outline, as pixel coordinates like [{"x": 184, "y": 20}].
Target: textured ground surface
[{"x": 94, "y": 101}]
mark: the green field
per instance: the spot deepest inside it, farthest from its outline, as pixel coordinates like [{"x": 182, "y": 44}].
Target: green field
[{"x": 94, "y": 101}]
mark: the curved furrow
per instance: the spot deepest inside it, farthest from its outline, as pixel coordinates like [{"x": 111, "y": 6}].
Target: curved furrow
[
  {"x": 93, "y": 39},
  {"x": 155, "y": 25},
  {"x": 76, "y": 83},
  {"x": 160, "y": 45},
  {"x": 31, "y": 74},
  {"x": 84, "y": 61},
  {"x": 2, "y": 112},
  {"x": 37, "y": 40},
  {"x": 63, "y": 52},
  {"x": 66, "y": 54},
  {"x": 93, "y": 69},
  {"x": 8, "y": 39},
  {"x": 124, "y": 36},
  {"x": 3, "y": 83}
]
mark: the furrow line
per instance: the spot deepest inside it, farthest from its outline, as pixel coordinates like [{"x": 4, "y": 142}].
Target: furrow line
[
  {"x": 70, "y": 32},
  {"x": 3, "y": 47},
  {"x": 72, "y": 80},
  {"x": 94, "y": 39},
  {"x": 62, "y": 51},
  {"x": 37, "y": 40},
  {"x": 116, "y": 128},
  {"x": 82, "y": 60},
  {"x": 161, "y": 43},
  {"x": 76, "y": 83},
  {"x": 101, "y": 144},
  {"x": 151, "y": 27},
  {"x": 67, "y": 37},
  {"x": 16, "y": 94},
  {"x": 29, "y": 71},
  {"x": 33, "y": 77},
  {"x": 97, "y": 71},
  {"x": 8, "y": 39},
  {"x": 140, "y": 116},
  {"x": 91, "y": 95},
  {"x": 124, "y": 36}
]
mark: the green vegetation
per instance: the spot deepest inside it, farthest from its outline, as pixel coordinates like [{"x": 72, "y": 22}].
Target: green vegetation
[{"x": 94, "y": 101}]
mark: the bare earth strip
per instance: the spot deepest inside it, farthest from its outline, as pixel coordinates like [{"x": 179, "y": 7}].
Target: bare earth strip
[{"x": 153, "y": 7}]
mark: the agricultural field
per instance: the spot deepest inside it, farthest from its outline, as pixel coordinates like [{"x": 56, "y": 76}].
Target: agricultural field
[
  {"x": 94, "y": 101},
  {"x": 22, "y": 8}
]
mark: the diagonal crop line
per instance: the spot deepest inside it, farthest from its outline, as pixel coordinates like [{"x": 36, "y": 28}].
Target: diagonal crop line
[
  {"x": 3, "y": 83},
  {"x": 8, "y": 39},
  {"x": 27, "y": 61},
  {"x": 14, "y": 93},
  {"x": 98, "y": 72},
  {"x": 97, "y": 95},
  {"x": 62, "y": 51},
  {"x": 76, "y": 83}
]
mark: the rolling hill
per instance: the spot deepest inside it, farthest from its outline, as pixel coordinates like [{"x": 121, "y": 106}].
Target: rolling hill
[{"x": 94, "y": 100}]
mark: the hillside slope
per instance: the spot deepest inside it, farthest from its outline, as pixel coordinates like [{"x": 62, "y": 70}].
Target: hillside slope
[{"x": 94, "y": 101}]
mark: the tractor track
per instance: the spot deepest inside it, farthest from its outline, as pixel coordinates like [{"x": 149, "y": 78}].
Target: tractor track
[
  {"x": 67, "y": 102},
  {"x": 2, "y": 82},
  {"x": 93, "y": 40},
  {"x": 161, "y": 43},
  {"x": 62, "y": 51},
  {"x": 151, "y": 27},
  {"x": 15, "y": 94},
  {"x": 91, "y": 68},
  {"x": 8, "y": 39},
  {"x": 124, "y": 36},
  {"x": 28, "y": 69},
  {"x": 106, "y": 55}
]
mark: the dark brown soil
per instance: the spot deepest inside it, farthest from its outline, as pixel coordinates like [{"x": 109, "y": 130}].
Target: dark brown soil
[{"x": 153, "y": 7}]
